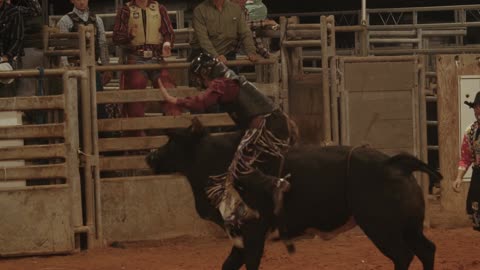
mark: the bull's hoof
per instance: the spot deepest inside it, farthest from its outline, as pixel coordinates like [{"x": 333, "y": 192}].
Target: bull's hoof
[{"x": 290, "y": 248}]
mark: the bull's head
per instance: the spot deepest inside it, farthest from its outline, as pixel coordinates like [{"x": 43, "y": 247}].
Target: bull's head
[{"x": 177, "y": 154}]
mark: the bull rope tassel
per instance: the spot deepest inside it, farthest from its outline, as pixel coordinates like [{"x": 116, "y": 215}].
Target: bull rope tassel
[
  {"x": 241, "y": 163},
  {"x": 254, "y": 143}
]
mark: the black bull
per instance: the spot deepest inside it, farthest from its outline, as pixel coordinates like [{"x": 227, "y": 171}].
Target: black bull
[{"x": 331, "y": 187}]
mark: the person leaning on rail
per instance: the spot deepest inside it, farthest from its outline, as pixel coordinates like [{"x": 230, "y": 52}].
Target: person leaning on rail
[
  {"x": 256, "y": 18},
  {"x": 219, "y": 26}
]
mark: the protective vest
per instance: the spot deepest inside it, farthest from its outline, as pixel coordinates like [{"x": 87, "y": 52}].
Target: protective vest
[
  {"x": 249, "y": 103},
  {"x": 147, "y": 29},
  {"x": 92, "y": 19}
]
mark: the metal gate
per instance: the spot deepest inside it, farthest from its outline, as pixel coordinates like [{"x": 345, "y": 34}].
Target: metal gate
[
  {"x": 40, "y": 196},
  {"x": 382, "y": 103}
]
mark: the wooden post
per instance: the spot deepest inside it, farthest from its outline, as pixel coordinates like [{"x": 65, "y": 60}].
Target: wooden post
[
  {"x": 91, "y": 67},
  {"x": 295, "y": 57},
  {"x": 86, "y": 113},
  {"x": 364, "y": 43},
  {"x": 449, "y": 68},
  {"x": 334, "y": 100},
  {"x": 284, "y": 65},
  {"x": 72, "y": 146},
  {"x": 423, "y": 143},
  {"x": 325, "y": 81},
  {"x": 343, "y": 98}
]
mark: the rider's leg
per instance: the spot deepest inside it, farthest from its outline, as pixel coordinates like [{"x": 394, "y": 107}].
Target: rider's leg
[{"x": 275, "y": 186}]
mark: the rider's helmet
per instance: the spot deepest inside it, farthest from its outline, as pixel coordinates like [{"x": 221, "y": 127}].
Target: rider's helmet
[{"x": 203, "y": 65}]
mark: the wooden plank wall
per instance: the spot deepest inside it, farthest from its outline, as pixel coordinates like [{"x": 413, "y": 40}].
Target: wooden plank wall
[
  {"x": 379, "y": 106},
  {"x": 306, "y": 106},
  {"x": 449, "y": 68}
]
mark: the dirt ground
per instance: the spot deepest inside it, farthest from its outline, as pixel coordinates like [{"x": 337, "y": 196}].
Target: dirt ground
[{"x": 457, "y": 249}]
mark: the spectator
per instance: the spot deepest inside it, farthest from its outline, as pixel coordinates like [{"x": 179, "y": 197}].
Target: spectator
[
  {"x": 144, "y": 30},
  {"x": 28, "y": 8},
  {"x": 11, "y": 39},
  {"x": 219, "y": 26},
  {"x": 255, "y": 14},
  {"x": 470, "y": 154},
  {"x": 81, "y": 15}
]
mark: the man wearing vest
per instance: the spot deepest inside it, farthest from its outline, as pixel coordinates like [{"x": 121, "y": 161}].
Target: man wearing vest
[
  {"x": 70, "y": 23},
  {"x": 82, "y": 15},
  {"x": 144, "y": 30}
]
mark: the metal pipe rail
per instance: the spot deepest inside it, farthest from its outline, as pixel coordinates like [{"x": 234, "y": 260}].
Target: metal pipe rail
[
  {"x": 464, "y": 49},
  {"x": 183, "y": 65},
  {"x": 395, "y": 40},
  {"x": 413, "y": 33},
  {"x": 423, "y": 26},
  {"x": 55, "y": 18},
  {"x": 302, "y": 43},
  {"x": 24, "y": 73},
  {"x": 423, "y": 9}
]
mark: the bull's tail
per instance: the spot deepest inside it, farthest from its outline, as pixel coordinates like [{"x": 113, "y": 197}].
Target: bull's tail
[{"x": 408, "y": 164}]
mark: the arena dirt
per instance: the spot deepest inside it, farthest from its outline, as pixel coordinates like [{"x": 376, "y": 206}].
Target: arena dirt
[{"x": 457, "y": 249}]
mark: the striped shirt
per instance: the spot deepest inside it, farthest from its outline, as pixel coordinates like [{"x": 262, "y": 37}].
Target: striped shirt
[
  {"x": 121, "y": 36},
  {"x": 65, "y": 24},
  {"x": 28, "y": 8},
  {"x": 11, "y": 31}
]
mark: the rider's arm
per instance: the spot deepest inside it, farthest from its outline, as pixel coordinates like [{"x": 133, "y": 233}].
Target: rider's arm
[{"x": 219, "y": 91}]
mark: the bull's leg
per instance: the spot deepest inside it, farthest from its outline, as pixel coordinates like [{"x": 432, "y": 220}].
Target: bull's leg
[
  {"x": 254, "y": 241},
  {"x": 276, "y": 187},
  {"x": 423, "y": 248},
  {"x": 235, "y": 260},
  {"x": 391, "y": 243}
]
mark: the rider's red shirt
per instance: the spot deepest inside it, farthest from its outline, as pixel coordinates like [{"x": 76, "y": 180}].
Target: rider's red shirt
[{"x": 219, "y": 91}]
